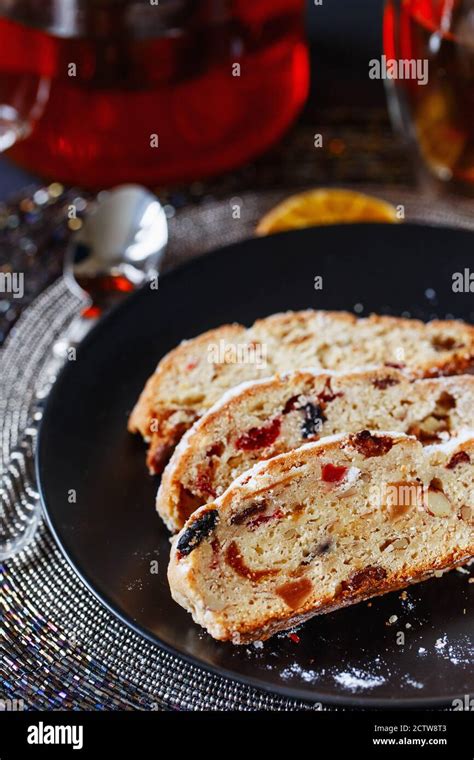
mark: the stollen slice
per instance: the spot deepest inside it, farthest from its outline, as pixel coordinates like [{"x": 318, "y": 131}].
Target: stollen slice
[
  {"x": 260, "y": 419},
  {"x": 324, "y": 526},
  {"x": 192, "y": 377}
]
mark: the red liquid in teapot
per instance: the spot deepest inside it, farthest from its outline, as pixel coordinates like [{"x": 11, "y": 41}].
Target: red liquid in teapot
[{"x": 186, "y": 103}]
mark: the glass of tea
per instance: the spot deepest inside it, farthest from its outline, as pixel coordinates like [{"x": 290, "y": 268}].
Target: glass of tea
[
  {"x": 431, "y": 84},
  {"x": 152, "y": 91}
]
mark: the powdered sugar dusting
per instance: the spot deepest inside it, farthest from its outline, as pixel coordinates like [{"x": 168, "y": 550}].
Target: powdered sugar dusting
[
  {"x": 351, "y": 477},
  {"x": 441, "y": 643},
  {"x": 411, "y": 682},
  {"x": 451, "y": 445},
  {"x": 461, "y": 652},
  {"x": 308, "y": 676},
  {"x": 358, "y": 680}
]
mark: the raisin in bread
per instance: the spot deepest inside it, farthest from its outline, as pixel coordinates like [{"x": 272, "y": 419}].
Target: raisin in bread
[
  {"x": 323, "y": 526},
  {"x": 258, "y": 420},
  {"x": 190, "y": 379}
]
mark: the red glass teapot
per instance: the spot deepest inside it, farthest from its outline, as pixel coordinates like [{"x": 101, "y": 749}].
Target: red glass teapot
[{"x": 149, "y": 92}]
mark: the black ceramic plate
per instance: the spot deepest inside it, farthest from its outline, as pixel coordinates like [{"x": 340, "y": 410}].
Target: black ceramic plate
[{"x": 111, "y": 534}]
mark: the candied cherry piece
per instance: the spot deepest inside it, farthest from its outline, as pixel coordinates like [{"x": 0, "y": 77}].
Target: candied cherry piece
[
  {"x": 255, "y": 522},
  {"x": 259, "y": 437},
  {"x": 333, "y": 473},
  {"x": 328, "y": 395},
  {"x": 291, "y": 404}
]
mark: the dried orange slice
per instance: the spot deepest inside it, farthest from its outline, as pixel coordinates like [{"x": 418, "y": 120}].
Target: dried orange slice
[{"x": 325, "y": 206}]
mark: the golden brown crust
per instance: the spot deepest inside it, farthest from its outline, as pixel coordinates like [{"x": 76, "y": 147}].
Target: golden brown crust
[
  {"x": 266, "y": 628},
  {"x": 146, "y": 404},
  {"x": 153, "y": 419}
]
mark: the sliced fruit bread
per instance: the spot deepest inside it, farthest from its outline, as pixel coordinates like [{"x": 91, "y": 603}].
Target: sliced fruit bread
[
  {"x": 261, "y": 419},
  {"x": 192, "y": 377},
  {"x": 326, "y": 525}
]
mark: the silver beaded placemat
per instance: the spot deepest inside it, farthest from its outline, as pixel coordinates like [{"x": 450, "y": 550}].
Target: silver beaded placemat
[{"x": 61, "y": 649}]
